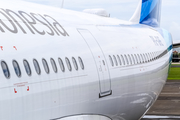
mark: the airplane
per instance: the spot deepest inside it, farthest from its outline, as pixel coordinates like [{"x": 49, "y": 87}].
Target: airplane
[{"x": 59, "y": 64}]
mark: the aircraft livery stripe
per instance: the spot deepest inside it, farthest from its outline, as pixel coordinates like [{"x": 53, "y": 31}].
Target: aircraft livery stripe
[
  {"x": 150, "y": 12},
  {"x": 144, "y": 1},
  {"x": 171, "y": 54}
]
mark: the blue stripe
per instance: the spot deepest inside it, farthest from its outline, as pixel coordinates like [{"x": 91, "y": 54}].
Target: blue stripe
[
  {"x": 147, "y": 8},
  {"x": 170, "y": 48},
  {"x": 171, "y": 55},
  {"x": 150, "y": 12},
  {"x": 144, "y": 1}
]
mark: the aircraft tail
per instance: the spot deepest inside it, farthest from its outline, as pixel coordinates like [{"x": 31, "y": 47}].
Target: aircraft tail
[{"x": 148, "y": 13}]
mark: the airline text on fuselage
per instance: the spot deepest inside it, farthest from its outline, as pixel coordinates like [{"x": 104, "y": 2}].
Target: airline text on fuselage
[{"x": 30, "y": 21}]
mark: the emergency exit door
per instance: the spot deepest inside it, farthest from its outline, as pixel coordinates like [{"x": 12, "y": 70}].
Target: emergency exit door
[{"x": 101, "y": 63}]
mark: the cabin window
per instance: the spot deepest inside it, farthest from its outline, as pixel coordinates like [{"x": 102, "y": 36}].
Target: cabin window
[
  {"x": 149, "y": 57},
  {"x": 68, "y": 64},
  {"x": 115, "y": 60},
  {"x": 145, "y": 59},
  {"x": 139, "y": 59},
  {"x": 75, "y": 63},
  {"x": 36, "y": 66},
  {"x": 133, "y": 60},
  {"x": 161, "y": 54},
  {"x": 136, "y": 58},
  {"x": 142, "y": 58},
  {"x": 126, "y": 60},
  {"x": 16, "y": 68},
  {"x": 110, "y": 58},
  {"x": 123, "y": 59},
  {"x": 5, "y": 69},
  {"x": 27, "y": 67},
  {"x": 81, "y": 63},
  {"x": 61, "y": 64},
  {"x": 130, "y": 59},
  {"x": 156, "y": 55},
  {"x": 119, "y": 60},
  {"x": 152, "y": 55},
  {"x": 46, "y": 67},
  {"x": 53, "y": 63}
]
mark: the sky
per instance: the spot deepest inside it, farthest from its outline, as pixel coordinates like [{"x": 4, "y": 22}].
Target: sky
[{"x": 124, "y": 9}]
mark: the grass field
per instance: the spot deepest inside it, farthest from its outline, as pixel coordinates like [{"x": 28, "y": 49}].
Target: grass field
[
  {"x": 175, "y": 64},
  {"x": 174, "y": 73}
]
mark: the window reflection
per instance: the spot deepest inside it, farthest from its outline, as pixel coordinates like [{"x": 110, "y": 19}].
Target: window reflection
[
  {"x": 16, "y": 68},
  {"x": 5, "y": 69},
  {"x": 27, "y": 67}
]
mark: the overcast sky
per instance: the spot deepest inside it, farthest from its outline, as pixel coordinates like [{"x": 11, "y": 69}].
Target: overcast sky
[{"x": 124, "y": 9}]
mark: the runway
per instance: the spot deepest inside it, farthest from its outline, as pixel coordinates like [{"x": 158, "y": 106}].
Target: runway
[{"x": 167, "y": 107}]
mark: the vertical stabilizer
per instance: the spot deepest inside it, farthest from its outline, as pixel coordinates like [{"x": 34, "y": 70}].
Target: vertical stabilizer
[{"x": 148, "y": 13}]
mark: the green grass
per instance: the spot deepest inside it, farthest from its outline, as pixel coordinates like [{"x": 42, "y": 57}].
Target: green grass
[
  {"x": 174, "y": 73},
  {"x": 175, "y": 64}
]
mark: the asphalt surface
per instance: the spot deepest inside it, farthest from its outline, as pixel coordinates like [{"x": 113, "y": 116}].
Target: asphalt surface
[
  {"x": 175, "y": 66},
  {"x": 167, "y": 107}
]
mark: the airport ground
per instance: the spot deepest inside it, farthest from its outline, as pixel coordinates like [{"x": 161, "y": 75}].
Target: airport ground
[{"x": 167, "y": 106}]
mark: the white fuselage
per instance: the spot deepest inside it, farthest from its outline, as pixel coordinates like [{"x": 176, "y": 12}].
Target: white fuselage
[{"x": 122, "y": 91}]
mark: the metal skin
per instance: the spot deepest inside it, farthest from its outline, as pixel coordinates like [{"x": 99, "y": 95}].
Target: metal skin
[{"x": 99, "y": 92}]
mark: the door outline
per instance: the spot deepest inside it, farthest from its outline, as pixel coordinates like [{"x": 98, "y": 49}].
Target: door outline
[{"x": 104, "y": 93}]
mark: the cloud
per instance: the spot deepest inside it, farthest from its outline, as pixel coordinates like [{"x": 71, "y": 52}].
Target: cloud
[
  {"x": 175, "y": 30},
  {"x": 123, "y": 9},
  {"x": 117, "y": 8}
]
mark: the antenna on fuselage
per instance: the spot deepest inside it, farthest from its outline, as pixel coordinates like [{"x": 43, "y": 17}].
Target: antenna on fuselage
[{"x": 62, "y": 4}]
